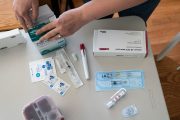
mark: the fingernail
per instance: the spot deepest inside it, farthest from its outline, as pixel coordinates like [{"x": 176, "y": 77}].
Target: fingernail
[{"x": 41, "y": 39}]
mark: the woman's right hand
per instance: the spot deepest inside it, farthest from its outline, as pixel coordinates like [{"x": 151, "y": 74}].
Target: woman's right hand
[
  {"x": 67, "y": 24},
  {"x": 23, "y": 9}
]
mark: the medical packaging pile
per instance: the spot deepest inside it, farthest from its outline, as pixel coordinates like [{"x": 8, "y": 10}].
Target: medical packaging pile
[
  {"x": 45, "y": 16},
  {"x": 44, "y": 70},
  {"x": 120, "y": 80},
  {"x": 124, "y": 43}
]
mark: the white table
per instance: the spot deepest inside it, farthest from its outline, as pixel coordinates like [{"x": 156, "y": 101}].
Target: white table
[{"x": 84, "y": 103}]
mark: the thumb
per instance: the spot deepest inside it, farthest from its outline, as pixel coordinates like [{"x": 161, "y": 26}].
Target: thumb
[{"x": 35, "y": 9}]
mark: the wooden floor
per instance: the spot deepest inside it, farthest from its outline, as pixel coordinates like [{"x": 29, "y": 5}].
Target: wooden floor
[
  {"x": 7, "y": 17},
  {"x": 162, "y": 26},
  {"x": 164, "y": 23}
]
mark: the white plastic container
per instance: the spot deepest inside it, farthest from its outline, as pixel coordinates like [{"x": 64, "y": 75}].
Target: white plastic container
[{"x": 11, "y": 38}]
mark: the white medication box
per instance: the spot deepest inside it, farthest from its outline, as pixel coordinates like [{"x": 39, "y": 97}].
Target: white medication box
[
  {"x": 120, "y": 43},
  {"x": 11, "y": 38}
]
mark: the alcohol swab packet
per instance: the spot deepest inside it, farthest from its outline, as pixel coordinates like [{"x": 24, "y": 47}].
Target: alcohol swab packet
[
  {"x": 42, "y": 69},
  {"x": 129, "y": 111},
  {"x": 61, "y": 87},
  {"x": 50, "y": 80}
]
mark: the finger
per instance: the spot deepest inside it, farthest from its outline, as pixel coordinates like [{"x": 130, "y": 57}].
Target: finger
[
  {"x": 22, "y": 22},
  {"x": 47, "y": 27},
  {"x": 49, "y": 35},
  {"x": 58, "y": 36},
  {"x": 28, "y": 20},
  {"x": 35, "y": 8}
]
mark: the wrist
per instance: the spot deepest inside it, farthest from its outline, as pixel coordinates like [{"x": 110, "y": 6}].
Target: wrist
[{"x": 85, "y": 15}]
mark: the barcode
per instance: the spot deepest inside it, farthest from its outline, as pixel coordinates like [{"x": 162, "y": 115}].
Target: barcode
[{"x": 118, "y": 82}]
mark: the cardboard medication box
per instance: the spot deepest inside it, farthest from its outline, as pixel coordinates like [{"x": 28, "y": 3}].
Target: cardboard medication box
[
  {"x": 45, "y": 16},
  {"x": 120, "y": 43}
]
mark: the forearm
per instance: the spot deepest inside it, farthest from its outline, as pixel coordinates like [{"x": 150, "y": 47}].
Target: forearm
[{"x": 96, "y": 9}]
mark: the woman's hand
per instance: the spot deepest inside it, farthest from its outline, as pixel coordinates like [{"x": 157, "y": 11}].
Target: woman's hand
[
  {"x": 23, "y": 10},
  {"x": 67, "y": 24}
]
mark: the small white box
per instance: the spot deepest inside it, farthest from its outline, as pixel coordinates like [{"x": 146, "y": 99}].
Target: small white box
[
  {"x": 11, "y": 38},
  {"x": 120, "y": 43}
]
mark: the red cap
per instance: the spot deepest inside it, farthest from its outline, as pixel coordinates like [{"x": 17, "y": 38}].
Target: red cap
[{"x": 82, "y": 46}]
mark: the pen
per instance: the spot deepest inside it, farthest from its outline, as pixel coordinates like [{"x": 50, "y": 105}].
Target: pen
[{"x": 84, "y": 60}]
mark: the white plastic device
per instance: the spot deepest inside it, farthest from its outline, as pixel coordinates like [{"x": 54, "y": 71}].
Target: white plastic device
[{"x": 116, "y": 97}]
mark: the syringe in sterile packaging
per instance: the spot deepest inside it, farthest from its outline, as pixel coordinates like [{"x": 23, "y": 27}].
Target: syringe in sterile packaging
[
  {"x": 65, "y": 65},
  {"x": 116, "y": 97}
]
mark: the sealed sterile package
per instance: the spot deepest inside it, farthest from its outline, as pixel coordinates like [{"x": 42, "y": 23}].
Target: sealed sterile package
[
  {"x": 129, "y": 79},
  {"x": 45, "y": 16},
  {"x": 61, "y": 87},
  {"x": 65, "y": 65},
  {"x": 43, "y": 108}
]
